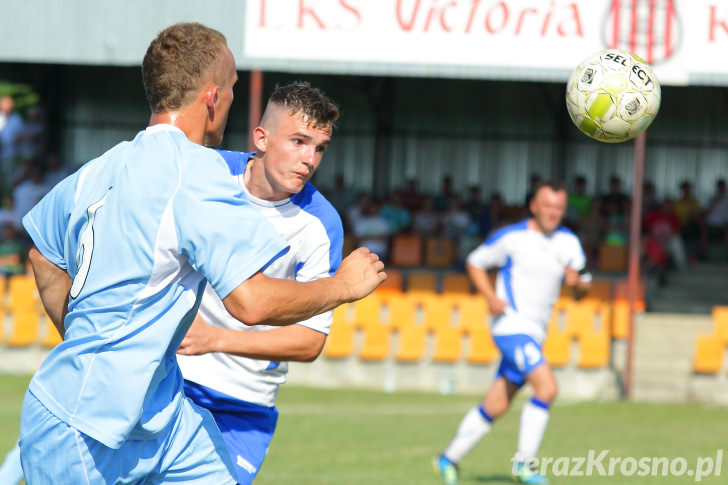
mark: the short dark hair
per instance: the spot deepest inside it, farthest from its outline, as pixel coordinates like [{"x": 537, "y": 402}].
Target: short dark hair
[
  {"x": 311, "y": 103},
  {"x": 177, "y": 63},
  {"x": 555, "y": 185}
]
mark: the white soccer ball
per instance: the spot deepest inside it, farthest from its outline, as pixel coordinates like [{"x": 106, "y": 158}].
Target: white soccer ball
[{"x": 612, "y": 96}]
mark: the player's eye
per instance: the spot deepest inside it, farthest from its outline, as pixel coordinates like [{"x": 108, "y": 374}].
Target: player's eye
[{"x": 321, "y": 149}]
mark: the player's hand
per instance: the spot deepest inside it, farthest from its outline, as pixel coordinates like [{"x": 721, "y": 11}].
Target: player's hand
[
  {"x": 497, "y": 306},
  {"x": 360, "y": 273},
  {"x": 571, "y": 276},
  {"x": 200, "y": 339}
]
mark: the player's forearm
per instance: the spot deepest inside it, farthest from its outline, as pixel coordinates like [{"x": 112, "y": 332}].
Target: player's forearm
[
  {"x": 53, "y": 285},
  {"x": 292, "y": 343},
  {"x": 480, "y": 280},
  {"x": 272, "y": 301},
  {"x": 262, "y": 300}
]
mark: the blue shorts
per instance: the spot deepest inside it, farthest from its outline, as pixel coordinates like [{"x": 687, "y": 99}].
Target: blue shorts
[
  {"x": 189, "y": 450},
  {"x": 247, "y": 428},
  {"x": 520, "y": 355}
]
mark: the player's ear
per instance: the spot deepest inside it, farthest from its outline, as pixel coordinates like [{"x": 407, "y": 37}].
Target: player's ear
[
  {"x": 260, "y": 139},
  {"x": 211, "y": 100}
]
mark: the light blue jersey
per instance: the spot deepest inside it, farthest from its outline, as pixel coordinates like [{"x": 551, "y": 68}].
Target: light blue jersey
[{"x": 138, "y": 230}]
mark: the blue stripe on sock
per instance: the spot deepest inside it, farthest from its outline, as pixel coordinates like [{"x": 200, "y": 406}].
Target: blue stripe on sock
[
  {"x": 485, "y": 415},
  {"x": 540, "y": 404}
]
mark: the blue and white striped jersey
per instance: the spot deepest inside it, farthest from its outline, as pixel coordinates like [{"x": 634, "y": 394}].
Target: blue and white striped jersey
[
  {"x": 530, "y": 274},
  {"x": 314, "y": 231},
  {"x": 138, "y": 230}
]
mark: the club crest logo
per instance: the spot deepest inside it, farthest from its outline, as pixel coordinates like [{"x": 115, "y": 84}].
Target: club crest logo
[{"x": 649, "y": 29}]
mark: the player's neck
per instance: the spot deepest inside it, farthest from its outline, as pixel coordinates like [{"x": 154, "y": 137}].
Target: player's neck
[
  {"x": 535, "y": 226},
  {"x": 185, "y": 121},
  {"x": 258, "y": 185}
]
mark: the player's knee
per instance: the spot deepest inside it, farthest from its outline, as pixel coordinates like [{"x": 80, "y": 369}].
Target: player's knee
[
  {"x": 496, "y": 407},
  {"x": 547, "y": 392}
]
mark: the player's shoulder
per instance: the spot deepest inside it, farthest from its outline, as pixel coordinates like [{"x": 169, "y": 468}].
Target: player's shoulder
[
  {"x": 235, "y": 160},
  {"x": 312, "y": 201},
  {"x": 566, "y": 233},
  {"x": 509, "y": 230}
]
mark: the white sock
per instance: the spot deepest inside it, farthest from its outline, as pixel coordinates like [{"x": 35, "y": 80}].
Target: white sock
[
  {"x": 473, "y": 427},
  {"x": 534, "y": 418}
]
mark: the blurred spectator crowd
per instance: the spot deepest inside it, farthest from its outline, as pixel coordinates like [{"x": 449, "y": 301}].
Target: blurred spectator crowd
[
  {"x": 27, "y": 172},
  {"x": 675, "y": 232}
]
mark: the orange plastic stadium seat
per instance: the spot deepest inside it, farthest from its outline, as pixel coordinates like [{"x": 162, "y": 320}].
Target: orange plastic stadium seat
[
  {"x": 376, "y": 342},
  {"x": 52, "y": 337},
  {"x": 557, "y": 347},
  {"x": 448, "y": 344},
  {"x": 439, "y": 252},
  {"x": 406, "y": 250},
  {"x": 612, "y": 259},
  {"x": 601, "y": 290},
  {"x": 456, "y": 284},
  {"x": 708, "y": 354},
  {"x": 340, "y": 342},
  {"x": 422, "y": 282},
  {"x": 412, "y": 343},
  {"x": 25, "y": 328},
  {"x": 720, "y": 323},
  {"x": 394, "y": 282},
  {"x": 594, "y": 350}
]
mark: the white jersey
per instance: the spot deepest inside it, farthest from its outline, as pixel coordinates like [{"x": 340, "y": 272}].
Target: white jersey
[
  {"x": 314, "y": 231},
  {"x": 530, "y": 274}
]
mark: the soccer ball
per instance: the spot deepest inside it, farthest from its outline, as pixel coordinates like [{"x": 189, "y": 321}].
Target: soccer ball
[{"x": 612, "y": 96}]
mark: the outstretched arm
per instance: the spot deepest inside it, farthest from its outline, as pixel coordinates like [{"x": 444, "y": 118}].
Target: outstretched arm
[
  {"x": 291, "y": 343},
  {"x": 271, "y": 301},
  {"x": 53, "y": 285}
]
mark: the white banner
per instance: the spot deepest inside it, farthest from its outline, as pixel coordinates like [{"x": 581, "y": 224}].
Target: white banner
[{"x": 685, "y": 41}]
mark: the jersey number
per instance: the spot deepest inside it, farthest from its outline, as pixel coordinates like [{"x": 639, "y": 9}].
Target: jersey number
[{"x": 86, "y": 247}]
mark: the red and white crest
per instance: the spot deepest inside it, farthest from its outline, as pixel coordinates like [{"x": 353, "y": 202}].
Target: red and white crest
[{"x": 647, "y": 28}]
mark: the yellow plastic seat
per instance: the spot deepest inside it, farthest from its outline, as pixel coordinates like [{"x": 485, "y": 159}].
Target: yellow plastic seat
[
  {"x": 25, "y": 328},
  {"x": 22, "y": 293},
  {"x": 482, "y": 348},
  {"x": 594, "y": 351},
  {"x": 52, "y": 337},
  {"x": 368, "y": 311},
  {"x": 412, "y": 343},
  {"x": 402, "y": 312},
  {"x": 557, "y": 347},
  {"x": 437, "y": 311},
  {"x": 376, "y": 342},
  {"x": 708, "y": 354},
  {"x": 472, "y": 312},
  {"x": 586, "y": 317},
  {"x": 340, "y": 342},
  {"x": 448, "y": 344},
  {"x": 720, "y": 323}
]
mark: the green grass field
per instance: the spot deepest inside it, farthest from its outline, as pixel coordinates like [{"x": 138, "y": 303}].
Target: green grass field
[{"x": 362, "y": 437}]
